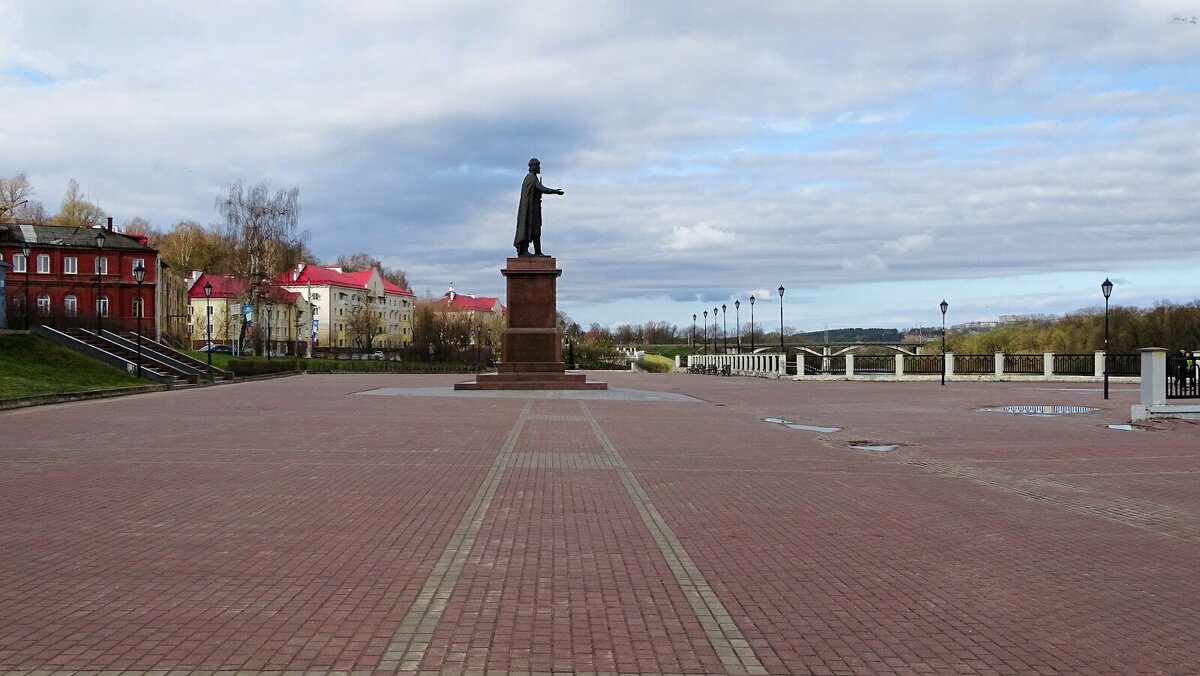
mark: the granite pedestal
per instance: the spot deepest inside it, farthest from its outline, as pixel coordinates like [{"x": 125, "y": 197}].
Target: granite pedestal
[{"x": 531, "y": 348}]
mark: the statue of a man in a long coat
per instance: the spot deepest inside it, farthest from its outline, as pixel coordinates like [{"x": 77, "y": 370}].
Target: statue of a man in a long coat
[{"x": 529, "y": 212}]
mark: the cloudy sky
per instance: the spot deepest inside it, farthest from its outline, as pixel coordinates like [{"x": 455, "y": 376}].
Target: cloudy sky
[{"x": 871, "y": 157}]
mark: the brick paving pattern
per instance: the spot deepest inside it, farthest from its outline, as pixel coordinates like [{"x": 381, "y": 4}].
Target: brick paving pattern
[{"x": 301, "y": 525}]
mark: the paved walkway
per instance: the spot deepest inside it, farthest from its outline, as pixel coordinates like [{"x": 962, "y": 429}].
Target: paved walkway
[{"x": 348, "y": 523}]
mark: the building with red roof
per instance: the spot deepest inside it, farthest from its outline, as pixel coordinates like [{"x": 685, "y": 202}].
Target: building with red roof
[
  {"x": 225, "y": 301},
  {"x": 340, "y": 300},
  {"x": 477, "y": 306}
]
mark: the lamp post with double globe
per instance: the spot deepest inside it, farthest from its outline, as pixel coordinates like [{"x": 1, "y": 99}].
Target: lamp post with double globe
[
  {"x": 1106, "y": 288},
  {"x": 25, "y": 251},
  {"x": 737, "y": 324},
  {"x": 781, "y": 348},
  {"x": 752, "y": 323},
  {"x": 724, "y": 331},
  {"x": 99, "y": 281},
  {"x": 208, "y": 318},
  {"x": 944, "y": 306},
  {"x": 139, "y": 276}
]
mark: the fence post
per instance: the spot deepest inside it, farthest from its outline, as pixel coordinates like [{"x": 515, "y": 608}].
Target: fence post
[
  {"x": 1154, "y": 376},
  {"x": 783, "y": 364},
  {"x": 1099, "y": 364},
  {"x": 949, "y": 365},
  {"x": 1047, "y": 364},
  {"x": 899, "y": 365},
  {"x": 999, "y": 364},
  {"x": 849, "y": 364}
]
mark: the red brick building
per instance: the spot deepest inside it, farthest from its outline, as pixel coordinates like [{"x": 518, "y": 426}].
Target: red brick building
[{"x": 59, "y": 277}]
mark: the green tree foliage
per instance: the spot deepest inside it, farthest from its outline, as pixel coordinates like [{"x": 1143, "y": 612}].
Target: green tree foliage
[{"x": 1130, "y": 329}]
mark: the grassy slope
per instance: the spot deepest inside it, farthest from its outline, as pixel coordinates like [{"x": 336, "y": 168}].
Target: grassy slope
[{"x": 31, "y": 365}]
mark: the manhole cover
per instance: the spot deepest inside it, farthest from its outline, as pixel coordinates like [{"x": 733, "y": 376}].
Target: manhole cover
[
  {"x": 803, "y": 427},
  {"x": 1039, "y": 409},
  {"x": 877, "y": 448}
]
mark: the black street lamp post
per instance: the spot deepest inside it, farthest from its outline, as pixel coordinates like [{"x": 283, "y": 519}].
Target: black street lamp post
[
  {"x": 478, "y": 343},
  {"x": 752, "y": 323},
  {"x": 724, "y": 331},
  {"x": 139, "y": 276},
  {"x": 208, "y": 317},
  {"x": 25, "y": 251},
  {"x": 944, "y": 306},
  {"x": 706, "y": 332},
  {"x": 737, "y": 324},
  {"x": 693, "y": 332},
  {"x": 1106, "y": 288},
  {"x": 99, "y": 281},
  {"x": 781, "y": 348}
]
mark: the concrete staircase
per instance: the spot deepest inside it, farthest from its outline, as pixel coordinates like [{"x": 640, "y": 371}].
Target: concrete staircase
[{"x": 160, "y": 363}]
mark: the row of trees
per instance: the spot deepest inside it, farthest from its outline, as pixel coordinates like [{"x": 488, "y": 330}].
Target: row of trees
[
  {"x": 17, "y": 205},
  {"x": 1166, "y": 325}
]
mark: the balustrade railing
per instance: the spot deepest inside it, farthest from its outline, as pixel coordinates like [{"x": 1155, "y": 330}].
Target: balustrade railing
[
  {"x": 1127, "y": 365},
  {"x": 974, "y": 364},
  {"x": 998, "y": 365},
  {"x": 922, "y": 364},
  {"x": 874, "y": 364},
  {"x": 1027, "y": 364},
  {"x": 1076, "y": 364}
]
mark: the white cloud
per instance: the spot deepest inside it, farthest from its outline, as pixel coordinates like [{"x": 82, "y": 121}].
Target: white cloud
[{"x": 699, "y": 237}]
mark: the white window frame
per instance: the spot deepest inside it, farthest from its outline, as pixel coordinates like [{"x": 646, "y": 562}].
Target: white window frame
[
  {"x": 43, "y": 264},
  {"x": 101, "y": 265},
  {"x": 43, "y": 303},
  {"x": 71, "y": 305},
  {"x": 102, "y": 306},
  {"x": 19, "y": 263},
  {"x": 139, "y": 308},
  {"x": 136, "y": 262},
  {"x": 70, "y": 265}
]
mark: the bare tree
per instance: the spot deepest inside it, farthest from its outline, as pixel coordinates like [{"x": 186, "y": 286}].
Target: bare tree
[
  {"x": 15, "y": 203},
  {"x": 364, "y": 261},
  {"x": 364, "y": 322},
  {"x": 76, "y": 210},
  {"x": 261, "y": 230}
]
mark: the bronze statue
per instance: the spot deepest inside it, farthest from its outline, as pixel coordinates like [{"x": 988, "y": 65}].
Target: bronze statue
[{"x": 529, "y": 213}]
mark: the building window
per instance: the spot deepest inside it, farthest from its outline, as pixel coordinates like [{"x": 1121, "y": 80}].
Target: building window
[
  {"x": 138, "y": 307},
  {"x": 43, "y": 263},
  {"x": 19, "y": 263},
  {"x": 71, "y": 305},
  {"x": 70, "y": 265},
  {"x": 43, "y": 302},
  {"x": 138, "y": 262},
  {"x": 101, "y": 265},
  {"x": 316, "y": 296},
  {"x": 102, "y": 306}
]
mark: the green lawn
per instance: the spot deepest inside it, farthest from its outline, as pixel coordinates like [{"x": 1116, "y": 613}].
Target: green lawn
[{"x": 31, "y": 365}]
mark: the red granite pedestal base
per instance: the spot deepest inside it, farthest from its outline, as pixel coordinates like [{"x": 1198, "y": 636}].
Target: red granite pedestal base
[{"x": 531, "y": 349}]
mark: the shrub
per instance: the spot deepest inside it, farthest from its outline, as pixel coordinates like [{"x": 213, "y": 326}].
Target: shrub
[
  {"x": 654, "y": 363},
  {"x": 256, "y": 367}
]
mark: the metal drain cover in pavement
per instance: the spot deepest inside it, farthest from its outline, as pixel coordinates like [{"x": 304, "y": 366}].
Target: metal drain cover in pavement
[
  {"x": 1039, "y": 409},
  {"x": 877, "y": 448},
  {"x": 805, "y": 428}
]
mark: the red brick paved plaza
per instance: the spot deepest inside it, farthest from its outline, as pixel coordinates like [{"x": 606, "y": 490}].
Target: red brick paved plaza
[{"x": 299, "y": 525}]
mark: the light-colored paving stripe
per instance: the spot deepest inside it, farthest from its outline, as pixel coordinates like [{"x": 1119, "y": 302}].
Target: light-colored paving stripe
[
  {"x": 737, "y": 657},
  {"x": 411, "y": 640}
]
